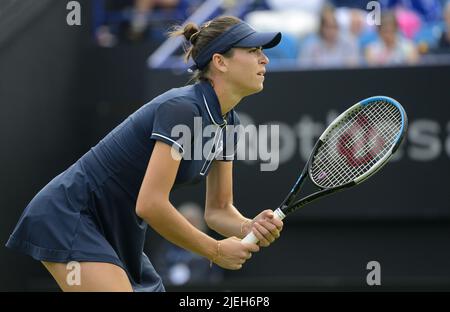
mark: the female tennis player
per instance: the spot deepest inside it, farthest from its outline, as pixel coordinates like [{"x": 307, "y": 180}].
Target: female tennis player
[{"x": 96, "y": 212}]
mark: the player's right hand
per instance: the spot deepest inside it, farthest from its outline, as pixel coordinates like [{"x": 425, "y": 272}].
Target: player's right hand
[{"x": 233, "y": 253}]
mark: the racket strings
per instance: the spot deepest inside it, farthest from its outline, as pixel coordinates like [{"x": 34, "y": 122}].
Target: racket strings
[
  {"x": 357, "y": 137},
  {"x": 355, "y": 144},
  {"x": 367, "y": 145},
  {"x": 364, "y": 131},
  {"x": 347, "y": 173},
  {"x": 373, "y": 159},
  {"x": 364, "y": 128},
  {"x": 386, "y": 129}
]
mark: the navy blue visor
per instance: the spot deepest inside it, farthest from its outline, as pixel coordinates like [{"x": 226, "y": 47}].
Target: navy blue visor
[{"x": 240, "y": 35}]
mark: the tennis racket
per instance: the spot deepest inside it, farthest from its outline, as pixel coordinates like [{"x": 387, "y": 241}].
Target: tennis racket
[{"x": 358, "y": 143}]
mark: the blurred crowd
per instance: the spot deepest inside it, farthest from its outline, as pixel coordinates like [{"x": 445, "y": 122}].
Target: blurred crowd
[
  {"x": 316, "y": 33},
  {"x": 118, "y": 21},
  {"x": 341, "y": 33}
]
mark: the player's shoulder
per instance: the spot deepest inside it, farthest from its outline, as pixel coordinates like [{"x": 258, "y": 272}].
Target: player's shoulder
[{"x": 182, "y": 99}]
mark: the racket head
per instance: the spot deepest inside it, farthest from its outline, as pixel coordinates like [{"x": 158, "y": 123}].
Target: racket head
[{"x": 358, "y": 143}]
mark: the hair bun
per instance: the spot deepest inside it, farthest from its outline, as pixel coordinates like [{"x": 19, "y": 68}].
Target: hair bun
[{"x": 189, "y": 30}]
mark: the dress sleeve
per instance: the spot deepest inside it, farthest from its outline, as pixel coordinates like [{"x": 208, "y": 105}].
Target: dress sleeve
[{"x": 174, "y": 124}]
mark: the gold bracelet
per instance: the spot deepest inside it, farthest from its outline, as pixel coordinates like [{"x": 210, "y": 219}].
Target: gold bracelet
[
  {"x": 216, "y": 257},
  {"x": 243, "y": 224}
]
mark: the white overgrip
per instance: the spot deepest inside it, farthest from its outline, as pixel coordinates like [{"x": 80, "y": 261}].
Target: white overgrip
[{"x": 252, "y": 239}]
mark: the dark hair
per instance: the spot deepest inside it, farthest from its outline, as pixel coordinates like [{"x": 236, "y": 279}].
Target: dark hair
[
  {"x": 328, "y": 10},
  {"x": 199, "y": 37}
]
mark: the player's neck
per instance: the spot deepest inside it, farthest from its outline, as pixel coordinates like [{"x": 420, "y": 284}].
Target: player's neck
[{"x": 228, "y": 98}]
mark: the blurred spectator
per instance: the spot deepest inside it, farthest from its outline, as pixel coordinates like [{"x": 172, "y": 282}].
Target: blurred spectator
[
  {"x": 296, "y": 20},
  {"x": 311, "y": 6},
  {"x": 357, "y": 22},
  {"x": 331, "y": 47},
  {"x": 140, "y": 16},
  {"x": 353, "y": 22},
  {"x": 408, "y": 22},
  {"x": 178, "y": 266},
  {"x": 104, "y": 37},
  {"x": 428, "y": 10},
  {"x": 135, "y": 20},
  {"x": 391, "y": 48},
  {"x": 444, "y": 41}
]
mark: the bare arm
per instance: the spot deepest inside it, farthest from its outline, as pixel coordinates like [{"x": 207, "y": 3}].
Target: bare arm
[
  {"x": 220, "y": 214},
  {"x": 224, "y": 218},
  {"x": 154, "y": 207}
]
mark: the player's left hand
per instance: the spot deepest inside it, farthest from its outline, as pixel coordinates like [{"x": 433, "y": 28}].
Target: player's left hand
[{"x": 266, "y": 227}]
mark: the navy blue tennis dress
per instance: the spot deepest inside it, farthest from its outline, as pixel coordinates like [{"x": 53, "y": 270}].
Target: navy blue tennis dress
[{"x": 87, "y": 213}]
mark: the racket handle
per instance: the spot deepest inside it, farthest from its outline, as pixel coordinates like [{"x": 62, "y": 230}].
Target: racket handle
[{"x": 252, "y": 239}]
